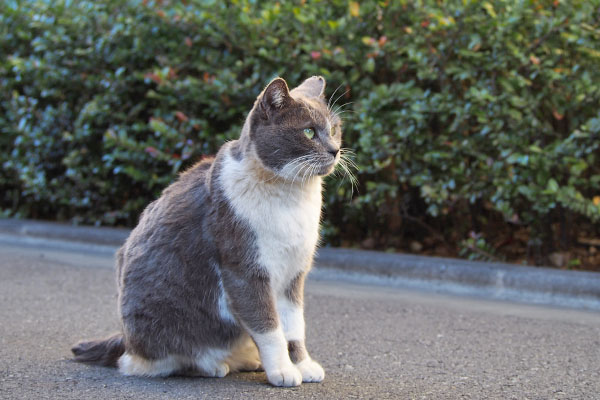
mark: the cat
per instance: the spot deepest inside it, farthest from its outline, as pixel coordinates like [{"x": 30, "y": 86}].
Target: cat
[{"x": 211, "y": 280}]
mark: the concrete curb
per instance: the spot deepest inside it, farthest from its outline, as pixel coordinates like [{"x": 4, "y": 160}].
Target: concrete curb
[
  {"x": 57, "y": 230},
  {"x": 539, "y": 285},
  {"x": 503, "y": 281}
]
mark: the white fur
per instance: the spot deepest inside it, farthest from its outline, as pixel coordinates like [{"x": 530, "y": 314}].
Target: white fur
[
  {"x": 223, "y": 303},
  {"x": 130, "y": 364},
  {"x": 275, "y": 359},
  {"x": 211, "y": 363},
  {"x": 283, "y": 215},
  {"x": 311, "y": 370},
  {"x": 224, "y": 312},
  {"x": 292, "y": 319},
  {"x": 278, "y": 97}
]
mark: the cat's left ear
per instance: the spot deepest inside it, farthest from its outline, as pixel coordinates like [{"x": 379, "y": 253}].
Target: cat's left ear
[
  {"x": 275, "y": 96},
  {"x": 312, "y": 87}
]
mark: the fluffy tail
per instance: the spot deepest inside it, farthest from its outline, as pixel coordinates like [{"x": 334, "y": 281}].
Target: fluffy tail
[{"x": 103, "y": 352}]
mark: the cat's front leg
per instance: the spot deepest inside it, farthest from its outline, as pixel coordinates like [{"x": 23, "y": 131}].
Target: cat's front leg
[
  {"x": 291, "y": 313},
  {"x": 253, "y": 303}
]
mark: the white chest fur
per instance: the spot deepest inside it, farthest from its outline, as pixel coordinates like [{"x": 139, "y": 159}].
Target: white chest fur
[{"x": 284, "y": 217}]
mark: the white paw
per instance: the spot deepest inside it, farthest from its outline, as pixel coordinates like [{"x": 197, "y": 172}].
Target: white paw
[
  {"x": 311, "y": 370},
  {"x": 216, "y": 371},
  {"x": 287, "y": 375},
  {"x": 221, "y": 370}
]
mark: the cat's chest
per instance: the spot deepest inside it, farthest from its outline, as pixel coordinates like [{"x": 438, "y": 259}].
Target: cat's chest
[
  {"x": 288, "y": 224},
  {"x": 284, "y": 221}
]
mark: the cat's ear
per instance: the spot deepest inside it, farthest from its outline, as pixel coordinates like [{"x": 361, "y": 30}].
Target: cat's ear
[
  {"x": 312, "y": 87},
  {"x": 275, "y": 96}
]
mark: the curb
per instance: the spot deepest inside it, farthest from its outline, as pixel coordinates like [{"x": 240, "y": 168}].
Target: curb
[
  {"x": 57, "y": 230},
  {"x": 539, "y": 285}
]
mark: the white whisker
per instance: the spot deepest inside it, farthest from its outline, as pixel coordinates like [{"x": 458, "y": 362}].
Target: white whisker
[
  {"x": 335, "y": 101},
  {"x": 333, "y": 94}
]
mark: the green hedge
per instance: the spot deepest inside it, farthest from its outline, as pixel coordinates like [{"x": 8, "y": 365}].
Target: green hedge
[{"x": 467, "y": 118}]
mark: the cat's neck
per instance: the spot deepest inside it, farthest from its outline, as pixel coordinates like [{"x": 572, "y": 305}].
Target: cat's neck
[{"x": 242, "y": 165}]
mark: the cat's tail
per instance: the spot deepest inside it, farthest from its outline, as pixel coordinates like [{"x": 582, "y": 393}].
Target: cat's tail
[{"x": 105, "y": 352}]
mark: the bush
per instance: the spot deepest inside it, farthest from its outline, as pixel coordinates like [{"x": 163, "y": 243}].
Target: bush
[{"x": 464, "y": 116}]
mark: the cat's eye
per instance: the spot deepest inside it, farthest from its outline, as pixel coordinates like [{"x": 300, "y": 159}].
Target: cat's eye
[{"x": 309, "y": 132}]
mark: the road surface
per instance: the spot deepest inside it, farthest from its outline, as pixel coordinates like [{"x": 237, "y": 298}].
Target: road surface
[{"x": 374, "y": 342}]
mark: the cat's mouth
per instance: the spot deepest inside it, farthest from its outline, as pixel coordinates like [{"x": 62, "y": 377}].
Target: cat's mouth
[
  {"x": 327, "y": 168},
  {"x": 298, "y": 171}
]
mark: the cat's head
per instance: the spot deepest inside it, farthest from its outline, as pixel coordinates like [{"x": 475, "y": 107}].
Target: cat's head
[{"x": 294, "y": 133}]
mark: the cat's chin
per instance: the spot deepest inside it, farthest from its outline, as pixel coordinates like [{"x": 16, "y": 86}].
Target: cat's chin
[{"x": 326, "y": 169}]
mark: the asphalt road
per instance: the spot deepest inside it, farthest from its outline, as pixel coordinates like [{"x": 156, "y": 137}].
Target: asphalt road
[{"x": 374, "y": 342}]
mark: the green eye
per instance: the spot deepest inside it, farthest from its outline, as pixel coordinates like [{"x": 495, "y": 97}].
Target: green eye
[{"x": 309, "y": 132}]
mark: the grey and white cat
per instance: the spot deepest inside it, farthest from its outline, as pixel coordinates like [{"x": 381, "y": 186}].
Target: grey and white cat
[{"x": 212, "y": 278}]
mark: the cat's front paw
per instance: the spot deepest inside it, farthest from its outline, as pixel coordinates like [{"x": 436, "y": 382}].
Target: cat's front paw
[
  {"x": 287, "y": 375},
  {"x": 311, "y": 370}
]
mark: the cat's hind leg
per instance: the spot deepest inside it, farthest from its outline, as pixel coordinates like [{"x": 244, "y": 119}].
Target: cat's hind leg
[
  {"x": 211, "y": 363},
  {"x": 244, "y": 356},
  {"x": 134, "y": 365}
]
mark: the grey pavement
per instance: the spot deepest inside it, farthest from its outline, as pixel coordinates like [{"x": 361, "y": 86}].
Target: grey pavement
[{"x": 374, "y": 341}]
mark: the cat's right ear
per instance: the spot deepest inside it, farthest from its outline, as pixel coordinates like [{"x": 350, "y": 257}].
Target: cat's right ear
[{"x": 275, "y": 97}]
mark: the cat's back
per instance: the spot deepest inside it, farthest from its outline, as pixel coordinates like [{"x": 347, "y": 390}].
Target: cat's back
[{"x": 175, "y": 223}]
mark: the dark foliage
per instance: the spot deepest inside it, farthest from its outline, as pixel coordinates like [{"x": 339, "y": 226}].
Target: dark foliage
[{"x": 475, "y": 125}]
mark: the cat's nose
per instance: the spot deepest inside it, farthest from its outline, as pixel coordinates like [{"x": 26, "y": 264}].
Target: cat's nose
[{"x": 333, "y": 152}]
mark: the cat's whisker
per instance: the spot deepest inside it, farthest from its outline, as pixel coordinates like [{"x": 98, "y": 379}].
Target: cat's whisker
[
  {"x": 339, "y": 110},
  {"x": 309, "y": 171},
  {"x": 345, "y": 111},
  {"x": 298, "y": 167},
  {"x": 333, "y": 94},
  {"x": 346, "y": 164},
  {"x": 303, "y": 161},
  {"x": 291, "y": 167},
  {"x": 342, "y": 106},
  {"x": 303, "y": 164},
  {"x": 343, "y": 94},
  {"x": 347, "y": 157}
]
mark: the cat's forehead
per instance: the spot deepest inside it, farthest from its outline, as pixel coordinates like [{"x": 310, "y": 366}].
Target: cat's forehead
[{"x": 307, "y": 110}]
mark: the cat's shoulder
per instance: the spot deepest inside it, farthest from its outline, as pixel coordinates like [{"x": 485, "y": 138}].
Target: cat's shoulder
[{"x": 199, "y": 168}]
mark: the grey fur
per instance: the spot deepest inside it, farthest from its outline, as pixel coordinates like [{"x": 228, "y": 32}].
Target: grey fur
[
  {"x": 295, "y": 290},
  {"x": 103, "y": 352},
  {"x": 297, "y": 351},
  {"x": 189, "y": 246}
]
